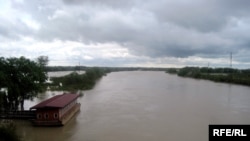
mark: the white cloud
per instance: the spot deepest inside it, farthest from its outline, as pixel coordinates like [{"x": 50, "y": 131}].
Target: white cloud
[
  {"x": 58, "y": 14},
  {"x": 30, "y": 22}
]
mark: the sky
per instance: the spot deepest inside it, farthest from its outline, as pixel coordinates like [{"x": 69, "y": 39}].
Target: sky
[{"x": 128, "y": 33}]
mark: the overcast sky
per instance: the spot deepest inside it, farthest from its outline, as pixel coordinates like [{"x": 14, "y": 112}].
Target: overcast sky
[{"x": 123, "y": 33}]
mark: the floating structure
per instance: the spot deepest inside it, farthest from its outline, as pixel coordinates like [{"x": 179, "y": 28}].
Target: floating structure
[{"x": 56, "y": 111}]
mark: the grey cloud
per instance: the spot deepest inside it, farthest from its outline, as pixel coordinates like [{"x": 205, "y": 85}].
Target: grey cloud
[
  {"x": 162, "y": 28},
  {"x": 117, "y": 4},
  {"x": 202, "y": 15},
  {"x": 13, "y": 30}
]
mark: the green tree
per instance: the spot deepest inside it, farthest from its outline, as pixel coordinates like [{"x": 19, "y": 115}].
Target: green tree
[
  {"x": 172, "y": 71},
  {"x": 2, "y": 83},
  {"x": 42, "y": 60},
  {"x": 23, "y": 79}
]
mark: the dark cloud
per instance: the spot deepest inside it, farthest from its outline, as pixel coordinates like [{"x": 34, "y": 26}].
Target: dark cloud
[
  {"x": 202, "y": 15},
  {"x": 162, "y": 28}
]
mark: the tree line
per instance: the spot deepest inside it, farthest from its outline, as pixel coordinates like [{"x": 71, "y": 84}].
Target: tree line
[
  {"x": 227, "y": 75},
  {"x": 110, "y": 69}
]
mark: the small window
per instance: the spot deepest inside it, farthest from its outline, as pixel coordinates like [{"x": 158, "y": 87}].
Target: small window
[
  {"x": 46, "y": 116},
  {"x": 55, "y": 115},
  {"x": 39, "y": 116}
]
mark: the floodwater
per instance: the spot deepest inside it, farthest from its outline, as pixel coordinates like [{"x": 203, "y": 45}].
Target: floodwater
[
  {"x": 62, "y": 73},
  {"x": 147, "y": 106}
]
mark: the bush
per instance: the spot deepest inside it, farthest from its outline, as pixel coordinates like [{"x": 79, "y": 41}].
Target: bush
[
  {"x": 8, "y": 131},
  {"x": 75, "y": 81}
]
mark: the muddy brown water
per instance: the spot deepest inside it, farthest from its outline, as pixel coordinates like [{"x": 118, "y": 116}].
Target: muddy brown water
[{"x": 147, "y": 106}]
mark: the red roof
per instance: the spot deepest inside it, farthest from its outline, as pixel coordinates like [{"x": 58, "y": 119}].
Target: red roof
[{"x": 58, "y": 101}]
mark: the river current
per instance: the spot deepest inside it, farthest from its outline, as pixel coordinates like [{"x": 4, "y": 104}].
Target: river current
[{"x": 147, "y": 106}]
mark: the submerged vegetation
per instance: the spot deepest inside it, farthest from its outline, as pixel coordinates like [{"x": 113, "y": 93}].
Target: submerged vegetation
[
  {"x": 226, "y": 75},
  {"x": 8, "y": 131},
  {"x": 75, "y": 81}
]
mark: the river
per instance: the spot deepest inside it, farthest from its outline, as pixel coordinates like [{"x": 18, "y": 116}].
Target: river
[{"x": 147, "y": 106}]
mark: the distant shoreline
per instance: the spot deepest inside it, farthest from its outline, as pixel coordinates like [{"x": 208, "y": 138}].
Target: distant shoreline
[{"x": 224, "y": 75}]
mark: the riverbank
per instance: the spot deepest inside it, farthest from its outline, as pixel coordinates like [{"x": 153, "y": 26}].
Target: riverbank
[
  {"x": 76, "y": 81},
  {"x": 225, "y": 75}
]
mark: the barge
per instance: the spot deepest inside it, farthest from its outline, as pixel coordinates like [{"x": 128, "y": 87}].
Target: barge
[{"x": 56, "y": 111}]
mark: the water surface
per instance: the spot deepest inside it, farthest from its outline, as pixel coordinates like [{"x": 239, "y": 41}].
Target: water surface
[{"x": 147, "y": 106}]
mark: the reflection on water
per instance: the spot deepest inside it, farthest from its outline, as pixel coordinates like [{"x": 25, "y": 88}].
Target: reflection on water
[
  {"x": 146, "y": 106},
  {"x": 62, "y": 73},
  {"x": 30, "y": 133}
]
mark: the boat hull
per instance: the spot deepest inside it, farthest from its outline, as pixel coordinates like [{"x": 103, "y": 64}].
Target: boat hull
[{"x": 61, "y": 121}]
